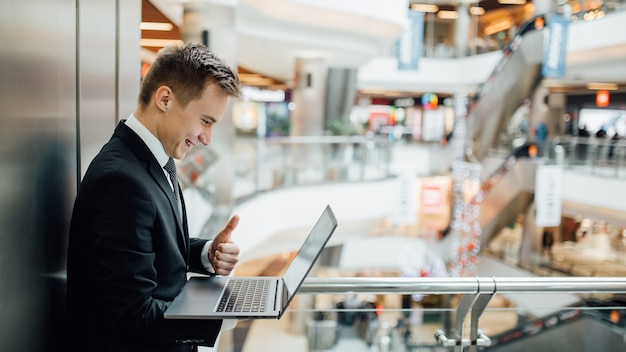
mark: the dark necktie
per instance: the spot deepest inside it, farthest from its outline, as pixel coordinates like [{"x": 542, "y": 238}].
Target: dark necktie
[{"x": 170, "y": 167}]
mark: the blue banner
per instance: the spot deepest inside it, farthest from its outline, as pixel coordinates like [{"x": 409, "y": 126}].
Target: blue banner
[
  {"x": 554, "y": 57},
  {"x": 411, "y": 42}
]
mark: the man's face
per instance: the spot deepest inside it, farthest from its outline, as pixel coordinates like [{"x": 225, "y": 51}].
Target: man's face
[{"x": 185, "y": 127}]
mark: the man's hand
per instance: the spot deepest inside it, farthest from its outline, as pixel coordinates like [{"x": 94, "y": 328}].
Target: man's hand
[{"x": 223, "y": 252}]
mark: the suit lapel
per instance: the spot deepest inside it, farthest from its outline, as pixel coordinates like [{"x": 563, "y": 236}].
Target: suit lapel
[{"x": 158, "y": 175}]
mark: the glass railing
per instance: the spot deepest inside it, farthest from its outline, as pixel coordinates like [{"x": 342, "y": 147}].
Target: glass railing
[
  {"x": 306, "y": 160},
  {"x": 449, "y": 314},
  {"x": 597, "y": 156},
  {"x": 603, "y": 157},
  {"x": 269, "y": 164}
]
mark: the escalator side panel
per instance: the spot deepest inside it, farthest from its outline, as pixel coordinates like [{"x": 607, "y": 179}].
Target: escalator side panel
[
  {"x": 585, "y": 334},
  {"x": 512, "y": 194},
  {"x": 506, "y": 91},
  {"x": 507, "y": 215}
]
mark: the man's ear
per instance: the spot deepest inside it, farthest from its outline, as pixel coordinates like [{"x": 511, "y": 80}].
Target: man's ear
[{"x": 163, "y": 97}]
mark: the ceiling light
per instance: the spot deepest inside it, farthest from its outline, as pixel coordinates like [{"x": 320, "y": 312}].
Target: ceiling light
[
  {"x": 156, "y": 26},
  {"x": 602, "y": 86},
  {"x": 374, "y": 91},
  {"x": 476, "y": 10},
  {"x": 512, "y": 2},
  {"x": 425, "y": 7},
  {"x": 448, "y": 15},
  {"x": 159, "y": 43},
  {"x": 258, "y": 81},
  {"x": 249, "y": 75},
  {"x": 499, "y": 26},
  {"x": 559, "y": 89}
]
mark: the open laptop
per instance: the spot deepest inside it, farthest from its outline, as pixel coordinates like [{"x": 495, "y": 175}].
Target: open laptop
[{"x": 238, "y": 297}]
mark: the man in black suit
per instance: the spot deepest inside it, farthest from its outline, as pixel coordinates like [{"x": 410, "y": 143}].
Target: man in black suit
[{"x": 129, "y": 247}]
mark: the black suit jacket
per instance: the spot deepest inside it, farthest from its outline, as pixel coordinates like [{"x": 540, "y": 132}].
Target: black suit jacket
[{"x": 129, "y": 255}]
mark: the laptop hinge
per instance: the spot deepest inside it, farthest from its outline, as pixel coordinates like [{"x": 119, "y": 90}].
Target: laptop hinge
[{"x": 285, "y": 298}]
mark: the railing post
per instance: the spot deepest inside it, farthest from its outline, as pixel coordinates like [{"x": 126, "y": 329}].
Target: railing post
[
  {"x": 486, "y": 290},
  {"x": 476, "y": 303},
  {"x": 464, "y": 307}
]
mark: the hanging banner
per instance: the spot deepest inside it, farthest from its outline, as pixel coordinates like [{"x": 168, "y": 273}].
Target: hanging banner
[
  {"x": 554, "y": 57},
  {"x": 411, "y": 42},
  {"x": 432, "y": 125},
  {"x": 548, "y": 195},
  {"x": 406, "y": 208}
]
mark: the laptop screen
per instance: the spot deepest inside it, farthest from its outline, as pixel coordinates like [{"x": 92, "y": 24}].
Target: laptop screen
[{"x": 308, "y": 253}]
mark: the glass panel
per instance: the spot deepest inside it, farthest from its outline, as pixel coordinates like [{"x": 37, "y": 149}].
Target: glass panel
[
  {"x": 380, "y": 323},
  {"x": 272, "y": 163}
]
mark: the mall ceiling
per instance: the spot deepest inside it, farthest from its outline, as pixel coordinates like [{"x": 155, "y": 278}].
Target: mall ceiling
[{"x": 273, "y": 79}]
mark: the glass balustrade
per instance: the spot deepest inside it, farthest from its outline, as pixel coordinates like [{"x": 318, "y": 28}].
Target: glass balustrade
[
  {"x": 600, "y": 157},
  {"x": 447, "y": 314},
  {"x": 266, "y": 164}
]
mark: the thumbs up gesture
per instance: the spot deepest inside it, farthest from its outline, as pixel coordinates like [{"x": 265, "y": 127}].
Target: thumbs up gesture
[{"x": 223, "y": 252}]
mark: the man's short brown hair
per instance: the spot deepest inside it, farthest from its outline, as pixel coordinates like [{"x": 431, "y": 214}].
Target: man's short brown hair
[{"x": 187, "y": 70}]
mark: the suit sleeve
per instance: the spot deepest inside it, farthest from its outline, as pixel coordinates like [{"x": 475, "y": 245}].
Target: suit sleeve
[{"x": 199, "y": 257}]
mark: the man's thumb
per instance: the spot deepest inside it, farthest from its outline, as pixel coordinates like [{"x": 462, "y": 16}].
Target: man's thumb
[{"x": 230, "y": 227}]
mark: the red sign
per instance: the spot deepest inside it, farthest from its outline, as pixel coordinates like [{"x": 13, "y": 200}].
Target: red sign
[
  {"x": 432, "y": 199},
  {"x": 602, "y": 98}
]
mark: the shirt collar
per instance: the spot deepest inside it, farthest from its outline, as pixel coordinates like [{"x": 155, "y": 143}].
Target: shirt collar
[{"x": 153, "y": 143}]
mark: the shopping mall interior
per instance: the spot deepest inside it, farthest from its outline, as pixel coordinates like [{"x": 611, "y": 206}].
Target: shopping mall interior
[{"x": 472, "y": 151}]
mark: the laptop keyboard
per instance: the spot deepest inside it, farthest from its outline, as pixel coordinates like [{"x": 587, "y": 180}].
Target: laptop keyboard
[{"x": 245, "y": 295}]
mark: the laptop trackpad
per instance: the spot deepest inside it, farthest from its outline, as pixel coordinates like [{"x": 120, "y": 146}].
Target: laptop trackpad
[{"x": 198, "y": 298}]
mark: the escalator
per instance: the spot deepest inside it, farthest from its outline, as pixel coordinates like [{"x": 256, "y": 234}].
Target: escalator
[
  {"x": 594, "y": 55},
  {"x": 507, "y": 192},
  {"x": 595, "y": 326},
  {"x": 514, "y": 79}
]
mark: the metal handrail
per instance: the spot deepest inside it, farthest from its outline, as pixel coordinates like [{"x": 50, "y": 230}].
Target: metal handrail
[
  {"x": 477, "y": 292},
  {"x": 402, "y": 285},
  {"x": 463, "y": 285}
]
